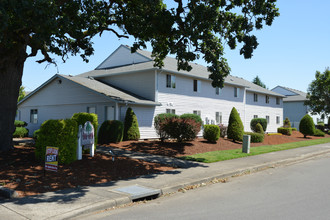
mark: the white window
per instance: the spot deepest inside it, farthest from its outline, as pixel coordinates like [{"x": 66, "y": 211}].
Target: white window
[
  {"x": 109, "y": 113},
  {"x": 197, "y": 112},
  {"x": 255, "y": 97},
  {"x": 267, "y": 99},
  {"x": 34, "y": 116},
  {"x": 170, "y": 81},
  {"x": 236, "y": 92},
  {"x": 267, "y": 119},
  {"x": 278, "y": 121},
  {"x": 172, "y": 111},
  {"x": 218, "y": 90},
  {"x": 218, "y": 117},
  {"x": 91, "y": 110},
  {"x": 197, "y": 85},
  {"x": 255, "y": 116},
  {"x": 278, "y": 101}
]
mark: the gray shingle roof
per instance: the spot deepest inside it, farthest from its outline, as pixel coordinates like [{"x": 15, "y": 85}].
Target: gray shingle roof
[{"x": 170, "y": 65}]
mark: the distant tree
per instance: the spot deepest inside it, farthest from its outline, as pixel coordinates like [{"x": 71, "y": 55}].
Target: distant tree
[
  {"x": 318, "y": 94},
  {"x": 258, "y": 82},
  {"x": 21, "y": 94}
]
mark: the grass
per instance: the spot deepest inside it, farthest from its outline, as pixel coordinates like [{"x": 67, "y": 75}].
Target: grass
[{"x": 215, "y": 156}]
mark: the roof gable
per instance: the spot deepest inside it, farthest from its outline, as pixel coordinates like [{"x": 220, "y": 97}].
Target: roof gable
[{"x": 122, "y": 56}]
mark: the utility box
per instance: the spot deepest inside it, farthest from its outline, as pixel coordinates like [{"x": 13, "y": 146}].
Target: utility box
[{"x": 246, "y": 144}]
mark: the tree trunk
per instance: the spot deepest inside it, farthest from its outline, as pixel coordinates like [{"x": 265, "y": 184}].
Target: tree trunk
[{"x": 11, "y": 71}]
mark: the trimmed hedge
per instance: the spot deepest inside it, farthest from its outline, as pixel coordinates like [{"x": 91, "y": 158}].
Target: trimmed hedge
[
  {"x": 61, "y": 134},
  {"x": 235, "y": 127},
  {"x": 286, "y": 123},
  {"x": 182, "y": 129},
  {"x": 256, "y": 137},
  {"x": 211, "y": 133},
  {"x": 36, "y": 134},
  {"x": 319, "y": 133},
  {"x": 259, "y": 129},
  {"x": 111, "y": 132},
  {"x": 82, "y": 117},
  {"x": 261, "y": 121},
  {"x": 20, "y": 132},
  {"x": 160, "y": 124},
  {"x": 19, "y": 123},
  {"x": 320, "y": 126},
  {"x": 285, "y": 131},
  {"x": 131, "y": 126},
  {"x": 306, "y": 126},
  {"x": 194, "y": 117},
  {"x": 294, "y": 129}
]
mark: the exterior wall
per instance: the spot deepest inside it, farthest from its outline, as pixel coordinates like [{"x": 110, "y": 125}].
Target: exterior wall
[
  {"x": 294, "y": 111},
  {"x": 141, "y": 83},
  {"x": 59, "y": 101}
]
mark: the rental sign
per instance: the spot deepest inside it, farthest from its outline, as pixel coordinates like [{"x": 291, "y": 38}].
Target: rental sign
[{"x": 51, "y": 160}]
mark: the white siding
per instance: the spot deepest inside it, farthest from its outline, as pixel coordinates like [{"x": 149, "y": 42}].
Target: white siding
[{"x": 141, "y": 83}]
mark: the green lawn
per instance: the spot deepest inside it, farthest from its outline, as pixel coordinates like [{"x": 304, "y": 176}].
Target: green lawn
[{"x": 214, "y": 156}]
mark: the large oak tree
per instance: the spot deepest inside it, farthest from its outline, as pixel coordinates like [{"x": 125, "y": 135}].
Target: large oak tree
[{"x": 189, "y": 29}]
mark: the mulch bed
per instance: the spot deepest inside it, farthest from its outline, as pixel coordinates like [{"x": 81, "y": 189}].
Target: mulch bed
[{"x": 20, "y": 171}]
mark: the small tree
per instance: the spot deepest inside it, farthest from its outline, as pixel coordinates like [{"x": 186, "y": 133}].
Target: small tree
[
  {"x": 286, "y": 123},
  {"x": 235, "y": 127},
  {"x": 258, "y": 82},
  {"x": 131, "y": 126},
  {"x": 261, "y": 121},
  {"x": 259, "y": 129},
  {"x": 306, "y": 126}
]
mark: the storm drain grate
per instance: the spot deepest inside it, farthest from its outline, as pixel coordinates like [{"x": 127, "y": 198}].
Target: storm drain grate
[{"x": 138, "y": 192}]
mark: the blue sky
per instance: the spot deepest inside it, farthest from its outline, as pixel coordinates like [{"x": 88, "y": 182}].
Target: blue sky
[{"x": 289, "y": 52}]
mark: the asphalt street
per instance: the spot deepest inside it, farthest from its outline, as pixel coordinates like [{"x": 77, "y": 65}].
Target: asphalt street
[{"x": 299, "y": 191}]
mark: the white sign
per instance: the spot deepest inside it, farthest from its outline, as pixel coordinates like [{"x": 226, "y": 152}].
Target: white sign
[{"x": 87, "y": 137}]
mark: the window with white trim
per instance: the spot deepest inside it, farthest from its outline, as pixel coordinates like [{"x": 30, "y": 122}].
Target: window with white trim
[
  {"x": 172, "y": 111},
  {"x": 236, "y": 92},
  {"x": 255, "y": 97},
  {"x": 278, "y": 120},
  {"x": 278, "y": 101},
  {"x": 197, "y": 112},
  {"x": 267, "y": 119},
  {"x": 197, "y": 85},
  {"x": 255, "y": 116},
  {"x": 218, "y": 117},
  {"x": 267, "y": 99},
  {"x": 34, "y": 116},
  {"x": 218, "y": 90},
  {"x": 170, "y": 81}
]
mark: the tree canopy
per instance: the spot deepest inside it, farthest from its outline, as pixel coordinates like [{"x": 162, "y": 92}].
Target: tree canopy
[
  {"x": 258, "y": 82},
  {"x": 189, "y": 29},
  {"x": 21, "y": 94},
  {"x": 318, "y": 94}
]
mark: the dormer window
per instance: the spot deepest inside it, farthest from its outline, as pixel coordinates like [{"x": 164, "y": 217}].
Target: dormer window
[{"x": 170, "y": 81}]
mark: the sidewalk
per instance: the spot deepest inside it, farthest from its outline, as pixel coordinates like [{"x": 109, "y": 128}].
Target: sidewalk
[{"x": 70, "y": 203}]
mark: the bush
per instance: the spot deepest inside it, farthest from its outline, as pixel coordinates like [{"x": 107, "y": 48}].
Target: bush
[
  {"x": 18, "y": 123},
  {"x": 285, "y": 131},
  {"x": 160, "y": 124},
  {"x": 211, "y": 133},
  {"x": 223, "y": 130},
  {"x": 294, "y": 129},
  {"x": 82, "y": 117},
  {"x": 261, "y": 121},
  {"x": 306, "y": 126},
  {"x": 286, "y": 123},
  {"x": 20, "y": 132},
  {"x": 182, "y": 129},
  {"x": 235, "y": 127},
  {"x": 259, "y": 129},
  {"x": 194, "y": 117},
  {"x": 61, "y": 134},
  {"x": 36, "y": 134},
  {"x": 320, "y": 126},
  {"x": 111, "y": 132},
  {"x": 329, "y": 132},
  {"x": 319, "y": 133},
  {"x": 131, "y": 126},
  {"x": 256, "y": 137}
]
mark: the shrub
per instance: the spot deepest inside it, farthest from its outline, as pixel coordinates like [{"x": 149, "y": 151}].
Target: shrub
[
  {"x": 36, "y": 134},
  {"x": 160, "y": 121},
  {"x": 20, "y": 132},
  {"x": 223, "y": 130},
  {"x": 294, "y": 129},
  {"x": 131, "y": 126},
  {"x": 61, "y": 134},
  {"x": 329, "y": 132},
  {"x": 18, "y": 123},
  {"x": 285, "y": 131},
  {"x": 194, "y": 117},
  {"x": 111, "y": 132},
  {"x": 235, "y": 127},
  {"x": 261, "y": 121},
  {"x": 259, "y": 129},
  {"x": 306, "y": 126},
  {"x": 286, "y": 123},
  {"x": 82, "y": 117},
  {"x": 320, "y": 126},
  {"x": 182, "y": 129},
  {"x": 319, "y": 133},
  {"x": 211, "y": 133},
  {"x": 256, "y": 137}
]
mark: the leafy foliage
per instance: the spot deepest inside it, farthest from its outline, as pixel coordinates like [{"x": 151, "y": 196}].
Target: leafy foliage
[
  {"x": 319, "y": 133},
  {"x": 318, "y": 94},
  {"x": 19, "y": 123},
  {"x": 286, "y": 131},
  {"x": 82, "y": 117},
  {"x": 21, "y": 93},
  {"x": 182, "y": 129},
  {"x": 259, "y": 129},
  {"x": 61, "y": 134},
  {"x": 306, "y": 126},
  {"x": 211, "y": 133},
  {"x": 235, "y": 127},
  {"x": 258, "y": 82},
  {"x": 131, "y": 126},
  {"x": 20, "y": 132},
  {"x": 286, "y": 123},
  {"x": 223, "y": 130},
  {"x": 194, "y": 117},
  {"x": 261, "y": 121},
  {"x": 160, "y": 124},
  {"x": 111, "y": 131},
  {"x": 256, "y": 137}
]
